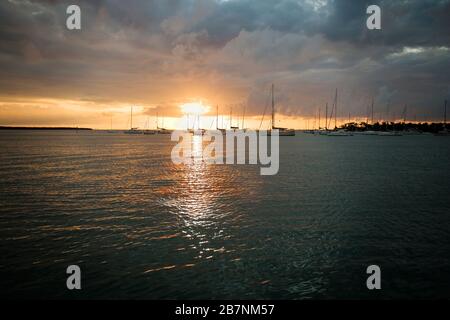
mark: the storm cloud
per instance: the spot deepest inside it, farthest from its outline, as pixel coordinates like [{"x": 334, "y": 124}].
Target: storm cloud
[{"x": 160, "y": 53}]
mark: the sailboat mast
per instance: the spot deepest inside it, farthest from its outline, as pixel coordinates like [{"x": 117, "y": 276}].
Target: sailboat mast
[
  {"x": 315, "y": 118},
  {"x": 367, "y": 114},
  {"x": 273, "y": 107},
  {"x": 217, "y": 117},
  {"x": 326, "y": 116},
  {"x": 319, "y": 118},
  {"x": 372, "y": 111},
  {"x": 405, "y": 113},
  {"x": 131, "y": 116},
  {"x": 335, "y": 109},
  {"x": 445, "y": 113}
]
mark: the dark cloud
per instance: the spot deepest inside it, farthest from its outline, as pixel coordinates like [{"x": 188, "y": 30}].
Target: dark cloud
[{"x": 160, "y": 52}]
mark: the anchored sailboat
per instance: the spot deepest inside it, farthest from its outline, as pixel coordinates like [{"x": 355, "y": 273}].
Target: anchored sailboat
[
  {"x": 337, "y": 132},
  {"x": 217, "y": 121},
  {"x": 243, "y": 118},
  {"x": 132, "y": 130},
  {"x": 161, "y": 130},
  {"x": 445, "y": 131},
  {"x": 149, "y": 131},
  {"x": 282, "y": 131},
  {"x": 111, "y": 128},
  {"x": 232, "y": 128}
]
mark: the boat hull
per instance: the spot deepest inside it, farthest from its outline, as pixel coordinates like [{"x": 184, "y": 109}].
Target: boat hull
[
  {"x": 389, "y": 134},
  {"x": 132, "y": 132},
  {"x": 283, "y": 132},
  {"x": 287, "y": 133}
]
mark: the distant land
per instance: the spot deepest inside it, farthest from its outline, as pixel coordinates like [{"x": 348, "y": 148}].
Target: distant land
[{"x": 42, "y": 128}]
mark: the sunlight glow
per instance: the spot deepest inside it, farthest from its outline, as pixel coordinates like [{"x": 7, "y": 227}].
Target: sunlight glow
[{"x": 196, "y": 108}]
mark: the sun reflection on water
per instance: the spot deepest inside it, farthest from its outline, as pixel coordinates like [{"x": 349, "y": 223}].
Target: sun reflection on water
[
  {"x": 202, "y": 197},
  {"x": 197, "y": 205}
]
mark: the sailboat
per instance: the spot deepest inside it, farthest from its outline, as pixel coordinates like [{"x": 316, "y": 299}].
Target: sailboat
[
  {"x": 223, "y": 131},
  {"x": 243, "y": 119},
  {"x": 132, "y": 130},
  {"x": 337, "y": 132},
  {"x": 111, "y": 130},
  {"x": 370, "y": 132},
  {"x": 325, "y": 130},
  {"x": 281, "y": 131},
  {"x": 445, "y": 131},
  {"x": 318, "y": 131},
  {"x": 149, "y": 131},
  {"x": 161, "y": 130},
  {"x": 389, "y": 134},
  {"x": 232, "y": 128},
  {"x": 198, "y": 131}
]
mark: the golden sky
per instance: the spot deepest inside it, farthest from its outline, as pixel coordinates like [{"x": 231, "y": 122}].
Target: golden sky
[{"x": 157, "y": 55}]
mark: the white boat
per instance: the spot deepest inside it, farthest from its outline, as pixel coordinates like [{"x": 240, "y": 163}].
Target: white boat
[
  {"x": 389, "y": 134},
  {"x": 339, "y": 133},
  {"x": 443, "y": 133},
  {"x": 369, "y": 133}
]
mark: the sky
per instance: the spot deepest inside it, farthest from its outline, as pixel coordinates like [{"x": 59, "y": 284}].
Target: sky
[{"x": 157, "y": 55}]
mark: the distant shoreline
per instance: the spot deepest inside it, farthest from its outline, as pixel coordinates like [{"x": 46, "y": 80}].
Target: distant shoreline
[{"x": 42, "y": 128}]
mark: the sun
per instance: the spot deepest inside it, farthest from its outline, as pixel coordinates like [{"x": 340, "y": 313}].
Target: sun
[{"x": 194, "y": 108}]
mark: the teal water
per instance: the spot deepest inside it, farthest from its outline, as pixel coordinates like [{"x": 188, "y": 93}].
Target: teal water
[{"x": 141, "y": 227}]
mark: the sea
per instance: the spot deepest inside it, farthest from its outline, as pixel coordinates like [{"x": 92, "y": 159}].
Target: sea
[{"x": 141, "y": 227}]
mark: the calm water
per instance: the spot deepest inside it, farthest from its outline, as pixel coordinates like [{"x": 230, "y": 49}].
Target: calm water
[{"x": 141, "y": 227}]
